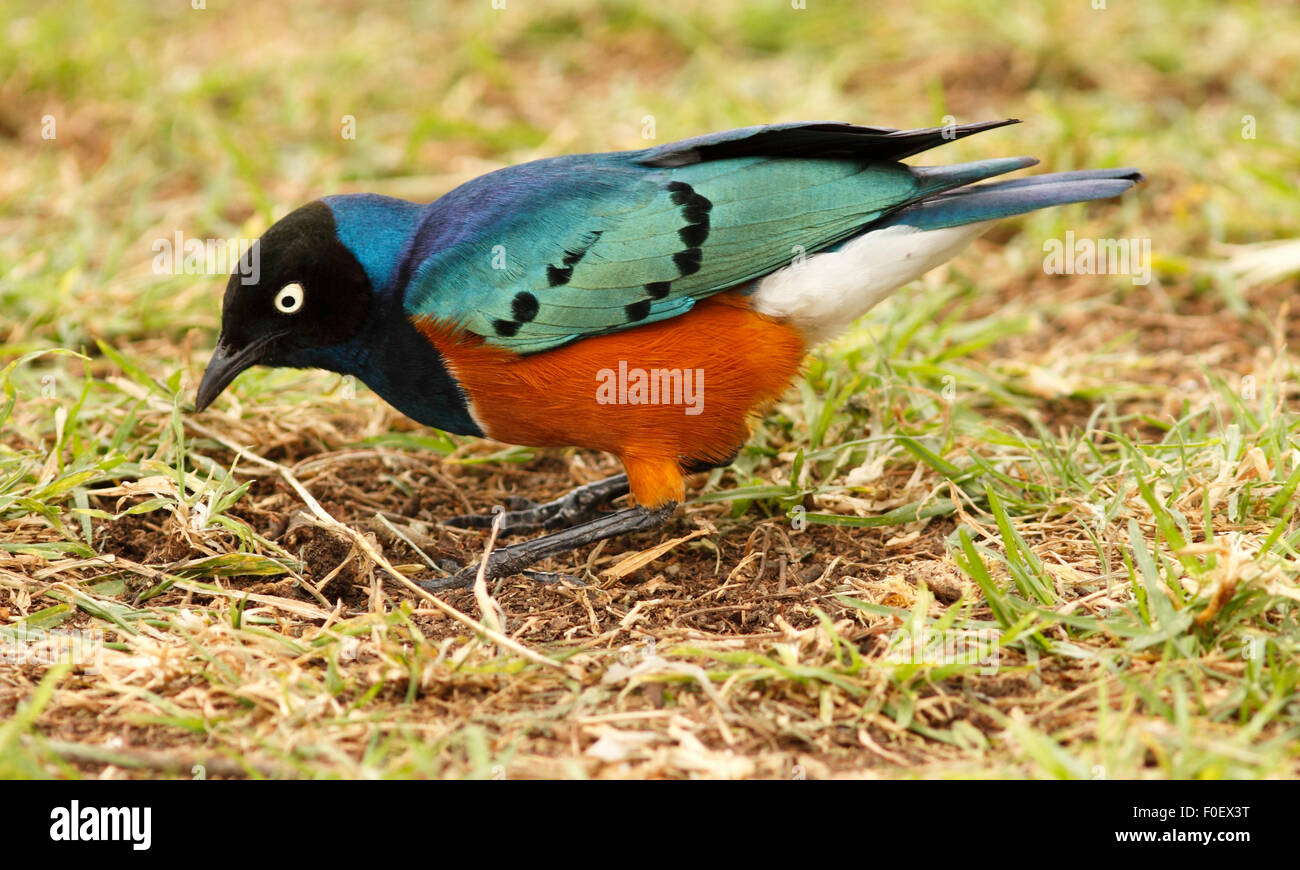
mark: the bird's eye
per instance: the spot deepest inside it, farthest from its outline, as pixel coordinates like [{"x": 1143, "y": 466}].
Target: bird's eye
[{"x": 289, "y": 299}]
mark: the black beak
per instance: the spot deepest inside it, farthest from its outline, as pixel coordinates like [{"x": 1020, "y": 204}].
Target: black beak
[{"x": 225, "y": 366}]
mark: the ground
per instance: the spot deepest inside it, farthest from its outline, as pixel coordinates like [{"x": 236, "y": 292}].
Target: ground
[{"x": 1082, "y": 484}]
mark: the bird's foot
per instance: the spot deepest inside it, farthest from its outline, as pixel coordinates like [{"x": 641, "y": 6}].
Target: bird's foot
[
  {"x": 515, "y": 558},
  {"x": 581, "y": 504}
]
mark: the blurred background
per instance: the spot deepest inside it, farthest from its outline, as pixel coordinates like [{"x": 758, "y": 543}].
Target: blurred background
[{"x": 124, "y": 122}]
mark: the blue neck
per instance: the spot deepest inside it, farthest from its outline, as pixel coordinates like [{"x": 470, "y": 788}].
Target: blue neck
[
  {"x": 409, "y": 373},
  {"x": 388, "y": 353},
  {"x": 377, "y": 230}
]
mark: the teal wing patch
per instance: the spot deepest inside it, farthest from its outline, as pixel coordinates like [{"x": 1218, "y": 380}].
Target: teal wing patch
[{"x": 578, "y": 256}]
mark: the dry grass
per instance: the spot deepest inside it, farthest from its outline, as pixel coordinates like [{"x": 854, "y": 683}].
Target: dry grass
[{"x": 1106, "y": 471}]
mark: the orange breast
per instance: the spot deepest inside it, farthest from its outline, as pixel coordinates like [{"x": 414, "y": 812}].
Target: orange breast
[{"x": 655, "y": 396}]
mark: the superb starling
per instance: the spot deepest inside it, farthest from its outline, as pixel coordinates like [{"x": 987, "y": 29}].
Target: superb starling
[{"x": 642, "y": 303}]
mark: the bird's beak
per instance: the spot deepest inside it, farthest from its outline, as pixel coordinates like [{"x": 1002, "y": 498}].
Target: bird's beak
[{"x": 225, "y": 366}]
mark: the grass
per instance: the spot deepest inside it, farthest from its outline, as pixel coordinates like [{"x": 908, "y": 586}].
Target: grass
[{"x": 1098, "y": 476}]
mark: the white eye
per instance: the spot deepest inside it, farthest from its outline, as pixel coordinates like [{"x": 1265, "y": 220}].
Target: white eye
[{"x": 289, "y": 299}]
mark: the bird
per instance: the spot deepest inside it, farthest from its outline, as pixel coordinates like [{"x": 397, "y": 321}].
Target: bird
[{"x": 645, "y": 303}]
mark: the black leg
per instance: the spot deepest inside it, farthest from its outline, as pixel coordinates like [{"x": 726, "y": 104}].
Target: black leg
[
  {"x": 513, "y": 559},
  {"x": 580, "y": 504}
]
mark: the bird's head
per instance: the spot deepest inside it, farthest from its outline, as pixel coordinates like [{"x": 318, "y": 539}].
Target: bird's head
[{"x": 298, "y": 293}]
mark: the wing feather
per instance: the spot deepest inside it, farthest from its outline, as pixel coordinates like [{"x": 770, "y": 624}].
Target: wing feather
[{"x": 541, "y": 254}]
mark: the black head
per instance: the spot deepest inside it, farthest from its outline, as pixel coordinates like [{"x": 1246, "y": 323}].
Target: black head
[{"x": 297, "y": 292}]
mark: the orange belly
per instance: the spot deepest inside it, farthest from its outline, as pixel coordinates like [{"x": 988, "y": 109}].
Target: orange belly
[{"x": 655, "y": 396}]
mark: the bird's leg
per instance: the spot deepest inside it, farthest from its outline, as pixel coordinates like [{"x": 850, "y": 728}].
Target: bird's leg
[
  {"x": 567, "y": 510},
  {"x": 515, "y": 558}
]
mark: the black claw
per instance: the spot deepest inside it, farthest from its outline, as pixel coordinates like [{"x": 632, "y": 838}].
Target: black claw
[
  {"x": 520, "y": 503},
  {"x": 526, "y": 515},
  {"x": 575, "y": 520},
  {"x": 552, "y": 577},
  {"x": 516, "y": 558},
  {"x": 442, "y": 584}
]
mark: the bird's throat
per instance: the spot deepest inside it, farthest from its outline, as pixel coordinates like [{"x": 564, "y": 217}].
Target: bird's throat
[{"x": 408, "y": 373}]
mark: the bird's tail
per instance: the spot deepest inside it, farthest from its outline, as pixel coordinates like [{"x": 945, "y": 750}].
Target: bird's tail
[
  {"x": 838, "y": 285},
  {"x": 976, "y": 203}
]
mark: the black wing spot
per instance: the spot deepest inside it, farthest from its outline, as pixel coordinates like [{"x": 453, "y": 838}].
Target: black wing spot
[
  {"x": 658, "y": 289},
  {"x": 558, "y": 275},
  {"x": 637, "y": 311},
  {"x": 524, "y": 306},
  {"x": 688, "y": 261},
  {"x": 681, "y": 192},
  {"x": 697, "y": 209},
  {"x": 506, "y": 328},
  {"x": 693, "y": 235}
]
